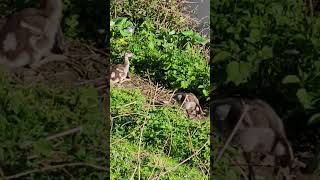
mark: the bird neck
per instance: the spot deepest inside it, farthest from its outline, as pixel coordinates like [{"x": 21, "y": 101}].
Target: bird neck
[
  {"x": 52, "y": 8},
  {"x": 126, "y": 61}
]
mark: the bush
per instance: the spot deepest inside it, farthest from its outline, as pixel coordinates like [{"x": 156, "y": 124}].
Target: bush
[
  {"x": 163, "y": 14},
  {"x": 268, "y": 48},
  {"x": 166, "y": 131},
  {"x": 176, "y": 60}
]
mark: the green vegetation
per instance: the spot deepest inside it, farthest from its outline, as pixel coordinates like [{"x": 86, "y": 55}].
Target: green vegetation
[
  {"x": 148, "y": 141},
  {"x": 32, "y": 116},
  {"x": 174, "y": 56},
  {"x": 269, "y": 49},
  {"x": 54, "y": 133},
  {"x": 268, "y": 45}
]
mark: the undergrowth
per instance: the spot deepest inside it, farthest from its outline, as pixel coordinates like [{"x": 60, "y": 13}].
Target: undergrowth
[
  {"x": 32, "y": 118},
  {"x": 269, "y": 49},
  {"x": 170, "y": 52},
  {"x": 151, "y": 141}
]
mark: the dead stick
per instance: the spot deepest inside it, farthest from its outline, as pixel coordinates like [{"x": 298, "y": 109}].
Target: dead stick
[
  {"x": 64, "y": 133},
  {"x": 175, "y": 167},
  {"x": 56, "y": 167},
  {"x": 232, "y": 134}
]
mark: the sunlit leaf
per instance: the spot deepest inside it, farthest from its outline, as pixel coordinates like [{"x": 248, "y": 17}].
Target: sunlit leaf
[
  {"x": 187, "y": 33},
  {"x": 290, "y": 79}
]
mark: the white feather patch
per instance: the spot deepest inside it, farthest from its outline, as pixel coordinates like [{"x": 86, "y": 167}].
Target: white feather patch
[
  {"x": 10, "y": 42},
  {"x": 113, "y": 75}
]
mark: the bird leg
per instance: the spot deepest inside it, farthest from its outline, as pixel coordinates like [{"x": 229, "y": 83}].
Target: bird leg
[
  {"x": 128, "y": 75},
  {"x": 247, "y": 156}
]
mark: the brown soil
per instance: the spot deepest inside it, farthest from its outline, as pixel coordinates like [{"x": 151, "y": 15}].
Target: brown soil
[
  {"x": 85, "y": 65},
  {"x": 155, "y": 94}
]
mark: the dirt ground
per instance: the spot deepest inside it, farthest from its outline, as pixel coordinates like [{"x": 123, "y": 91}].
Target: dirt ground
[
  {"x": 85, "y": 65},
  {"x": 157, "y": 95}
]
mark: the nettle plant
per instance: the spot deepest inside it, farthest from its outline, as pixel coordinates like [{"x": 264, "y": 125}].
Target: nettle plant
[
  {"x": 268, "y": 45},
  {"x": 174, "y": 59}
]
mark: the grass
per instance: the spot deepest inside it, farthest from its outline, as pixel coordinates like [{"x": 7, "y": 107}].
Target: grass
[
  {"x": 48, "y": 133},
  {"x": 149, "y": 141}
]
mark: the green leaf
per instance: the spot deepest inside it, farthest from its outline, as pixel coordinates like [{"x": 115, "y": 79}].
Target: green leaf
[
  {"x": 266, "y": 52},
  {"x": 199, "y": 39},
  {"x": 125, "y": 32},
  {"x": 187, "y": 33},
  {"x": 172, "y": 32},
  {"x": 112, "y": 24},
  {"x": 221, "y": 56},
  {"x": 290, "y": 79},
  {"x": 184, "y": 84},
  {"x": 151, "y": 45},
  {"x": 305, "y": 98},
  {"x": 238, "y": 72},
  {"x": 205, "y": 92},
  {"x": 255, "y": 36},
  {"x": 298, "y": 37},
  {"x": 291, "y": 51},
  {"x": 317, "y": 65},
  {"x": 314, "y": 119}
]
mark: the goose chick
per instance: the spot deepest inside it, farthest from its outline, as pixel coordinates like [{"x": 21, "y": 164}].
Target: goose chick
[
  {"x": 120, "y": 72},
  {"x": 190, "y": 103},
  {"x": 28, "y": 36}
]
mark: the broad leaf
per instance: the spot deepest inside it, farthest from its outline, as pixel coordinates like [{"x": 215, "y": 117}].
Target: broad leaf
[
  {"x": 305, "y": 98},
  {"x": 238, "y": 72},
  {"x": 290, "y": 79}
]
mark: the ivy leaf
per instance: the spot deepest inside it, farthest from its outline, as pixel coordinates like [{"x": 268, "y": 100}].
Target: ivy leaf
[{"x": 290, "y": 79}]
